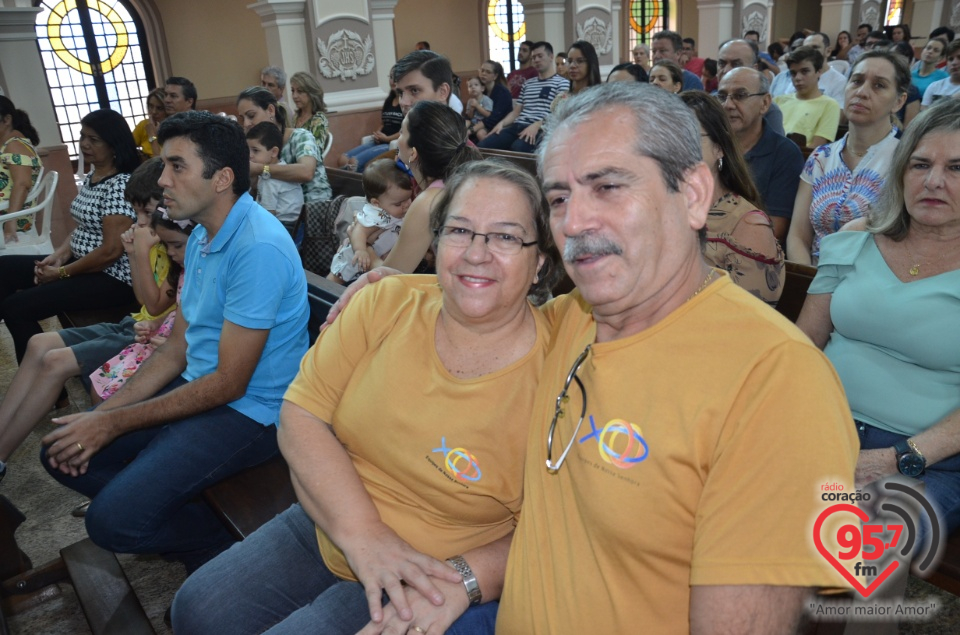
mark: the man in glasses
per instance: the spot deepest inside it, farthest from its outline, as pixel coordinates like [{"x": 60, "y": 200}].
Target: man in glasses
[
  {"x": 775, "y": 162},
  {"x": 735, "y": 54},
  {"x": 672, "y": 485}
]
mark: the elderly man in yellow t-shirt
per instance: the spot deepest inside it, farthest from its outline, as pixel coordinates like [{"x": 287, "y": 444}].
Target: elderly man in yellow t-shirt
[{"x": 677, "y": 490}]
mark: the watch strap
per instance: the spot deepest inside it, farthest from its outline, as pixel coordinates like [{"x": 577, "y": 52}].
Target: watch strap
[
  {"x": 469, "y": 579},
  {"x": 901, "y": 448}
]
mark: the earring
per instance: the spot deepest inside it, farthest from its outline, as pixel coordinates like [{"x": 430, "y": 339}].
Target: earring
[{"x": 720, "y": 164}]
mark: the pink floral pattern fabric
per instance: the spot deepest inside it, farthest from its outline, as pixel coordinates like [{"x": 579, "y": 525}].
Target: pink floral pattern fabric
[{"x": 108, "y": 379}]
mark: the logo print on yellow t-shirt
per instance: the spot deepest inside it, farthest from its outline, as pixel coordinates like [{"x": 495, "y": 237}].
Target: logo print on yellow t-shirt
[
  {"x": 620, "y": 442},
  {"x": 459, "y": 462}
]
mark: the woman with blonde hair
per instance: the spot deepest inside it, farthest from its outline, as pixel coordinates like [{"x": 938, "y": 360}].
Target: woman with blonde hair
[
  {"x": 311, "y": 110},
  {"x": 145, "y": 132},
  {"x": 882, "y": 307}
]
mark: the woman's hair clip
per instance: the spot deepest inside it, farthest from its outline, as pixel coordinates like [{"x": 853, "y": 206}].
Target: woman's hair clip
[{"x": 182, "y": 224}]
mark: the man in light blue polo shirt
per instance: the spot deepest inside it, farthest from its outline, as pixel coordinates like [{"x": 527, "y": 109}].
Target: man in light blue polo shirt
[{"x": 205, "y": 405}]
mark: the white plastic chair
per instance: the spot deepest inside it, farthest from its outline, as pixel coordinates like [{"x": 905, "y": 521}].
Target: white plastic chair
[
  {"x": 81, "y": 174},
  {"x": 35, "y": 191},
  {"x": 36, "y": 242},
  {"x": 326, "y": 147}
]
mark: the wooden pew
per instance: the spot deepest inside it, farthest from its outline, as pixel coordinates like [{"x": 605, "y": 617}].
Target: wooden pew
[
  {"x": 523, "y": 160},
  {"x": 251, "y": 498},
  {"x": 345, "y": 182},
  {"x": 106, "y": 597}
]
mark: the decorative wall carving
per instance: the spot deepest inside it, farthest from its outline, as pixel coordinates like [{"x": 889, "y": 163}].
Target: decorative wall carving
[
  {"x": 345, "y": 55},
  {"x": 598, "y": 33},
  {"x": 753, "y": 17},
  {"x": 870, "y": 13}
]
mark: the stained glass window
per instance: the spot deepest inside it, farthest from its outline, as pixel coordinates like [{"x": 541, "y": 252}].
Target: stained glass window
[
  {"x": 646, "y": 17},
  {"x": 894, "y": 13},
  {"x": 506, "y": 29},
  {"x": 94, "y": 58}
]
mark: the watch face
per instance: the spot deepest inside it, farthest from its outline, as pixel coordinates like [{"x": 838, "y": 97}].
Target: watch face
[{"x": 910, "y": 464}]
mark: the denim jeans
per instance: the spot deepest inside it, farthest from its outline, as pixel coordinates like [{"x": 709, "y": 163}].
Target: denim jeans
[
  {"x": 145, "y": 486},
  {"x": 366, "y": 154},
  {"x": 276, "y": 582},
  {"x": 509, "y": 139},
  {"x": 941, "y": 480}
]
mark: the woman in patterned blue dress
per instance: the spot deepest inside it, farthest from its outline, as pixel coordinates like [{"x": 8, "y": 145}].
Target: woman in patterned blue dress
[
  {"x": 89, "y": 270},
  {"x": 841, "y": 181}
]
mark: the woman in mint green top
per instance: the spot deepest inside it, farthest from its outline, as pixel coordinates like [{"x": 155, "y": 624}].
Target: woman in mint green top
[{"x": 884, "y": 308}]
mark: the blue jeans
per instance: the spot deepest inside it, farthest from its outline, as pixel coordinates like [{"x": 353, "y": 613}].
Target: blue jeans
[
  {"x": 942, "y": 479},
  {"x": 509, "y": 139},
  {"x": 276, "y": 582},
  {"x": 146, "y": 484},
  {"x": 366, "y": 154}
]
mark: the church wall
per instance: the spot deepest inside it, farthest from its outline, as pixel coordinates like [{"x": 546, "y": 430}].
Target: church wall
[{"x": 218, "y": 44}]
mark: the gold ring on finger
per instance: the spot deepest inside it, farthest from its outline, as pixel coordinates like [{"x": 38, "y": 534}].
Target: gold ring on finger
[{"x": 79, "y": 446}]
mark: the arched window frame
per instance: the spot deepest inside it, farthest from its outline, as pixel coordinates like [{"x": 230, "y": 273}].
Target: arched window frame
[
  {"x": 154, "y": 58},
  {"x": 654, "y": 15},
  {"x": 518, "y": 34}
]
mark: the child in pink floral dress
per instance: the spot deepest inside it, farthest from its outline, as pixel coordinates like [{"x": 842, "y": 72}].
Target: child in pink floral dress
[{"x": 150, "y": 334}]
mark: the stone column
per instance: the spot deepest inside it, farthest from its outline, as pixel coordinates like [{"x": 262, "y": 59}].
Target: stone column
[
  {"x": 382, "y": 13},
  {"x": 616, "y": 20},
  {"x": 716, "y": 24},
  {"x": 23, "y": 72},
  {"x": 23, "y": 82},
  {"x": 837, "y": 15},
  {"x": 284, "y": 30},
  {"x": 545, "y": 21}
]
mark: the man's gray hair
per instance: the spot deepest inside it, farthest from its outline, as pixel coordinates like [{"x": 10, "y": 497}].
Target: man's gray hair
[
  {"x": 764, "y": 82},
  {"x": 277, "y": 73},
  {"x": 665, "y": 129}
]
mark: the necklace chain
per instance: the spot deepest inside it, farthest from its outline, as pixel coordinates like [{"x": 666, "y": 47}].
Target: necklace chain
[
  {"x": 703, "y": 285},
  {"x": 914, "y": 269}
]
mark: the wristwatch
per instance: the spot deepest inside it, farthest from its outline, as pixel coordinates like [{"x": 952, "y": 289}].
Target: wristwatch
[
  {"x": 266, "y": 170},
  {"x": 151, "y": 139},
  {"x": 910, "y": 461},
  {"x": 469, "y": 579}
]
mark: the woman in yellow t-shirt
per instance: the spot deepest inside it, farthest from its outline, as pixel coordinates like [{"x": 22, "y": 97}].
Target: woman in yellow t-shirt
[
  {"x": 405, "y": 433},
  {"x": 145, "y": 133}
]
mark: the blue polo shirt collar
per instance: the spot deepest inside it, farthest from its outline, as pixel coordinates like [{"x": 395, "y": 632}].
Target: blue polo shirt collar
[{"x": 238, "y": 213}]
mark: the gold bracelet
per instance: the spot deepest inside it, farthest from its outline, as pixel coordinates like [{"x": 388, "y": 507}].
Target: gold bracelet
[
  {"x": 63, "y": 273},
  {"x": 266, "y": 169}
]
